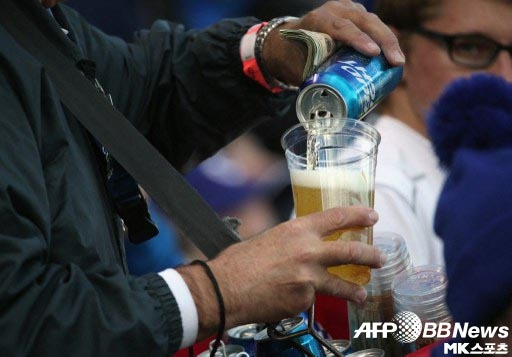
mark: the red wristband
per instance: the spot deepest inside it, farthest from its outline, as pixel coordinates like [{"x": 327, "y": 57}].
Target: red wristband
[{"x": 250, "y": 64}]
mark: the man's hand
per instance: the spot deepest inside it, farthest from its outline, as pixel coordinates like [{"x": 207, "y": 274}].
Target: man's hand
[
  {"x": 346, "y": 22},
  {"x": 277, "y": 273}
]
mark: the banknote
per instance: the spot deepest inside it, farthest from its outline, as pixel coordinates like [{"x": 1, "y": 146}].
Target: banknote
[{"x": 319, "y": 46}]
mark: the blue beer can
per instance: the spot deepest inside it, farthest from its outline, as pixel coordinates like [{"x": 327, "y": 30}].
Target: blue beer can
[
  {"x": 347, "y": 85},
  {"x": 316, "y": 326},
  {"x": 244, "y": 336},
  {"x": 266, "y": 347}
]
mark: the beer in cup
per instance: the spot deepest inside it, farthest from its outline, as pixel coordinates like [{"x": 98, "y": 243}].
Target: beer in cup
[{"x": 332, "y": 163}]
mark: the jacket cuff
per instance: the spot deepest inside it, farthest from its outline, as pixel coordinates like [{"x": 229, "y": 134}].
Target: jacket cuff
[
  {"x": 172, "y": 319},
  {"x": 186, "y": 305}
]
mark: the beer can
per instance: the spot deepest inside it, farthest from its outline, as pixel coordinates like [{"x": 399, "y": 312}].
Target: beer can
[
  {"x": 266, "y": 347},
  {"x": 371, "y": 352},
  {"x": 244, "y": 336},
  {"x": 347, "y": 85},
  {"x": 316, "y": 326},
  {"x": 342, "y": 346},
  {"x": 230, "y": 351}
]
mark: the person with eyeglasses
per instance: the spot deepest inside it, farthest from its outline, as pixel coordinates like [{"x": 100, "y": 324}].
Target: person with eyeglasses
[{"x": 443, "y": 40}]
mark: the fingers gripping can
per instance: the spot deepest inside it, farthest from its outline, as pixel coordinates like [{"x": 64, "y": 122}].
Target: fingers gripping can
[{"x": 347, "y": 85}]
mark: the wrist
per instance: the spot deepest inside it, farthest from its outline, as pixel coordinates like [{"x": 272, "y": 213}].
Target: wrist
[
  {"x": 255, "y": 62},
  {"x": 228, "y": 287},
  {"x": 204, "y": 297},
  {"x": 281, "y": 59}
]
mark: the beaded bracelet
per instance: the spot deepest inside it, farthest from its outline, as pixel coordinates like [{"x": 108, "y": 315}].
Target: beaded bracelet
[
  {"x": 258, "y": 51},
  {"x": 251, "y": 50}
]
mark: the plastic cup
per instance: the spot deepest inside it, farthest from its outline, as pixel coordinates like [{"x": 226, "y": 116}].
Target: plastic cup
[
  {"x": 378, "y": 307},
  {"x": 332, "y": 164},
  {"x": 422, "y": 290}
]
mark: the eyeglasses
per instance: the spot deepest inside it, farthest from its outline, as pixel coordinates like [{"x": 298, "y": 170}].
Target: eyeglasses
[{"x": 469, "y": 50}]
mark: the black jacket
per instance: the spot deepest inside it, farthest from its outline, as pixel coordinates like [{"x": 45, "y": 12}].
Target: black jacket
[{"x": 64, "y": 288}]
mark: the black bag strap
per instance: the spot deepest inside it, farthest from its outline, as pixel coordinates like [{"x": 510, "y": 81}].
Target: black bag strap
[{"x": 191, "y": 214}]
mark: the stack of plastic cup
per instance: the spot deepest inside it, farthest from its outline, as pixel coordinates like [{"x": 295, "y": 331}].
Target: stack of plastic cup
[
  {"x": 378, "y": 307},
  {"x": 422, "y": 291}
]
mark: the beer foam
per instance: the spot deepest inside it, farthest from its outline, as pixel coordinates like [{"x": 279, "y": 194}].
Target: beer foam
[{"x": 351, "y": 180}]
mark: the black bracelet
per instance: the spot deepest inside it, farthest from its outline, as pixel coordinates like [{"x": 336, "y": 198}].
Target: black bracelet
[{"x": 222, "y": 309}]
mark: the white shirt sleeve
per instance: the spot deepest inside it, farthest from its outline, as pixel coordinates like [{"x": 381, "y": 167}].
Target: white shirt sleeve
[
  {"x": 186, "y": 305},
  {"x": 397, "y": 216}
]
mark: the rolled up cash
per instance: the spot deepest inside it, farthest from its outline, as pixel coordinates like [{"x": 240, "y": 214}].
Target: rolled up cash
[{"x": 320, "y": 46}]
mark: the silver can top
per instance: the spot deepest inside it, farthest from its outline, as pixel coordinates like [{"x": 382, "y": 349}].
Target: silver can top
[
  {"x": 289, "y": 325},
  {"x": 245, "y": 331},
  {"x": 230, "y": 350},
  {"x": 319, "y": 101},
  {"x": 224, "y": 350},
  {"x": 339, "y": 345},
  {"x": 371, "y": 352}
]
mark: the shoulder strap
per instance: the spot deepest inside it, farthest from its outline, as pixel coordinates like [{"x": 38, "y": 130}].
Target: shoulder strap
[{"x": 149, "y": 168}]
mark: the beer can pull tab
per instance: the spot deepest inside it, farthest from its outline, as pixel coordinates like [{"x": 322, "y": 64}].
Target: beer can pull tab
[
  {"x": 323, "y": 102},
  {"x": 223, "y": 351}
]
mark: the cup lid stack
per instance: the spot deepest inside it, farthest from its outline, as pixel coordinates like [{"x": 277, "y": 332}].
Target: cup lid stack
[
  {"x": 398, "y": 260},
  {"x": 422, "y": 290}
]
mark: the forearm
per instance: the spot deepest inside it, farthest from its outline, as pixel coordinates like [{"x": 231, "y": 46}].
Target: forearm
[
  {"x": 184, "y": 89},
  {"x": 275, "y": 48},
  {"x": 215, "y": 101}
]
